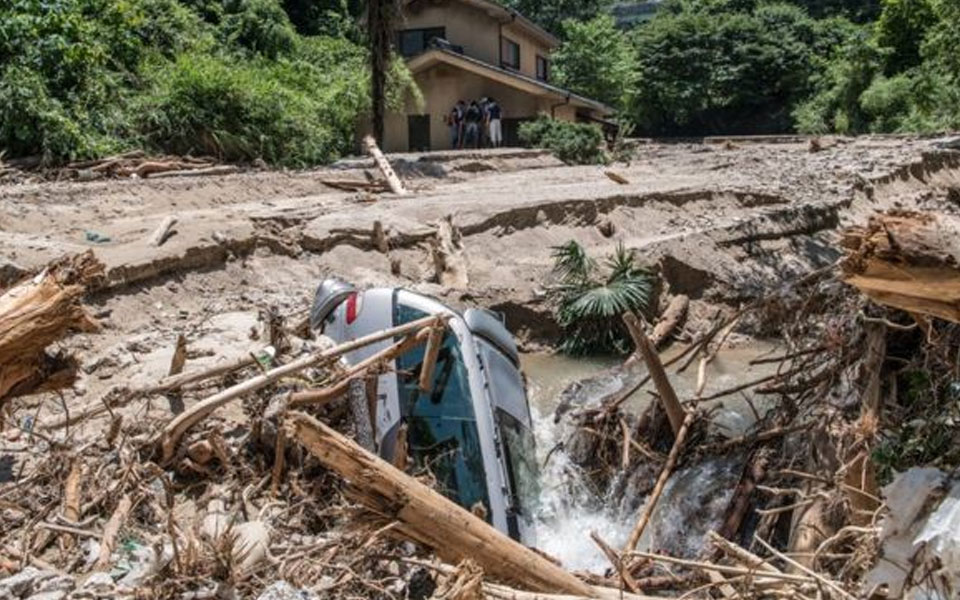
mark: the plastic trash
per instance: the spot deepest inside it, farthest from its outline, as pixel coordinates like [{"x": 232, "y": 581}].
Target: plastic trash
[{"x": 913, "y": 537}]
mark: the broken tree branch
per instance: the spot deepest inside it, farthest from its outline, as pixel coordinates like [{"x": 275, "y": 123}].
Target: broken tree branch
[
  {"x": 661, "y": 482},
  {"x": 671, "y": 404},
  {"x": 340, "y": 388}
]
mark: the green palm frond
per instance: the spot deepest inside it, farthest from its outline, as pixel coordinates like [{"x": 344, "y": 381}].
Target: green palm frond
[
  {"x": 622, "y": 263},
  {"x": 571, "y": 263},
  {"x": 590, "y": 303},
  {"x": 628, "y": 294}
]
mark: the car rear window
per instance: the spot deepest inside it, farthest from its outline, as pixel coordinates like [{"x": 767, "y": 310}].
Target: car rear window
[{"x": 442, "y": 428}]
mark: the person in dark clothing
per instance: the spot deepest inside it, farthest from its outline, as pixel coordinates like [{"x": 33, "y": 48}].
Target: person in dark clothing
[
  {"x": 473, "y": 119},
  {"x": 455, "y": 122},
  {"x": 494, "y": 126}
]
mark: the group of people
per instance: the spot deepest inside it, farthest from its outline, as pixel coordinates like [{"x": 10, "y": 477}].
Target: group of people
[{"x": 477, "y": 125}]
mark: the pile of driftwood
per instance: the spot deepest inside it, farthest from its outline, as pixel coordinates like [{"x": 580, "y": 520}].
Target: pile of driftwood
[
  {"x": 130, "y": 164},
  {"x": 866, "y": 387}
]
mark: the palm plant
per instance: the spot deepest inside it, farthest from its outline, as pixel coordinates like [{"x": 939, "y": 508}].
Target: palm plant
[{"x": 591, "y": 297}]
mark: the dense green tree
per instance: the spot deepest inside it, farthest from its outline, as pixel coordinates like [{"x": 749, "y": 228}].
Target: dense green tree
[
  {"x": 596, "y": 60},
  {"x": 861, "y": 11},
  {"x": 902, "y": 26},
  {"x": 550, "y": 14},
  {"x": 233, "y": 78},
  {"x": 942, "y": 44},
  {"x": 702, "y": 71}
]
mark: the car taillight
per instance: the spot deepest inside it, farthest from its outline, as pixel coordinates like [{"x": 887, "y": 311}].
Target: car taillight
[{"x": 353, "y": 308}]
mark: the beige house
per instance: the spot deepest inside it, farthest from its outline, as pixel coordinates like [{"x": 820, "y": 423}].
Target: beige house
[{"x": 469, "y": 49}]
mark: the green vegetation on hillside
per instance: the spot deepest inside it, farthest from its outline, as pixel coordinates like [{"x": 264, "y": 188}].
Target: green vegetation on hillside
[
  {"x": 287, "y": 80},
  {"x": 229, "y": 78}
]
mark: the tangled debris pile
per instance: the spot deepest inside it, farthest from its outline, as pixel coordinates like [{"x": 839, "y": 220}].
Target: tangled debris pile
[
  {"x": 200, "y": 506},
  {"x": 863, "y": 391}
]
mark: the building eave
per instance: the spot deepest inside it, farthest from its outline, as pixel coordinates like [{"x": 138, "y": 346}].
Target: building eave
[{"x": 526, "y": 83}]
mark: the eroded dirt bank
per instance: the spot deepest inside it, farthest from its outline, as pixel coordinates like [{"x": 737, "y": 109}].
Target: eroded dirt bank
[{"x": 721, "y": 223}]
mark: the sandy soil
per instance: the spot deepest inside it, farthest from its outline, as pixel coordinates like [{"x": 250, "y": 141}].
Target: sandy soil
[{"x": 720, "y": 222}]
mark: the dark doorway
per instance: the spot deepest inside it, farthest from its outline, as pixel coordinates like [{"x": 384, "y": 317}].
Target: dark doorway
[
  {"x": 418, "y": 132},
  {"x": 511, "y": 131}
]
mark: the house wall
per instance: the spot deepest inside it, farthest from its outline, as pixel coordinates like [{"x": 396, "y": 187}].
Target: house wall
[
  {"x": 529, "y": 49},
  {"x": 443, "y": 85},
  {"x": 466, "y": 26}
]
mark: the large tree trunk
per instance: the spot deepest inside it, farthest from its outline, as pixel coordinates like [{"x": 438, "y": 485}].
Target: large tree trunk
[
  {"x": 380, "y": 29},
  {"x": 907, "y": 260},
  {"x": 427, "y": 516},
  {"x": 37, "y": 313}
]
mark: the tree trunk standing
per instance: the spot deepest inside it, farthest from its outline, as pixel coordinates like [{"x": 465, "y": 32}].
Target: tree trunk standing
[{"x": 379, "y": 18}]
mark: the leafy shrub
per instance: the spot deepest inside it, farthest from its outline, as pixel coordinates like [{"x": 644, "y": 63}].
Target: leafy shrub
[
  {"x": 287, "y": 112},
  {"x": 573, "y": 143},
  {"x": 85, "y": 78},
  {"x": 591, "y": 298},
  {"x": 260, "y": 26}
]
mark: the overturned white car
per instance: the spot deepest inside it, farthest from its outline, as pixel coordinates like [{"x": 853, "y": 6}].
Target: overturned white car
[{"x": 472, "y": 430}]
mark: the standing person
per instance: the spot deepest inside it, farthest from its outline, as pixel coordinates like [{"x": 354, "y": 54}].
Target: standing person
[
  {"x": 484, "y": 138},
  {"x": 455, "y": 122},
  {"x": 473, "y": 119},
  {"x": 494, "y": 114}
]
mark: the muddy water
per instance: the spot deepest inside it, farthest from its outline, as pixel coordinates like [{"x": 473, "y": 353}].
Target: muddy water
[{"x": 569, "y": 509}]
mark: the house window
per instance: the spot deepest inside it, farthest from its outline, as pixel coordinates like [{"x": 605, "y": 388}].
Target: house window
[
  {"x": 411, "y": 42},
  {"x": 509, "y": 53},
  {"x": 543, "y": 69}
]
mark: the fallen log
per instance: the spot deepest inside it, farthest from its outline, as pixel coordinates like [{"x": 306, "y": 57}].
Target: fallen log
[
  {"x": 355, "y": 185},
  {"x": 427, "y": 516},
  {"x": 907, "y": 260},
  {"x": 174, "y": 430},
  {"x": 162, "y": 232},
  {"x": 198, "y": 172},
  {"x": 37, "y": 313},
  {"x": 671, "y": 318}
]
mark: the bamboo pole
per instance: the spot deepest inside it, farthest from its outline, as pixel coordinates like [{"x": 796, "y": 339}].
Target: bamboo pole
[
  {"x": 661, "y": 482},
  {"x": 175, "y": 429},
  {"x": 430, "y": 359},
  {"x": 427, "y": 515},
  {"x": 396, "y": 186},
  {"x": 333, "y": 392}
]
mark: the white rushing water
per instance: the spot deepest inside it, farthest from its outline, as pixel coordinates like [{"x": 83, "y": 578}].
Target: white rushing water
[{"x": 570, "y": 510}]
